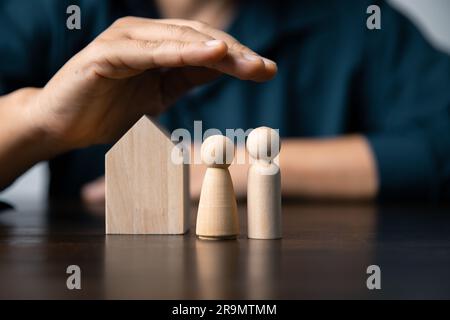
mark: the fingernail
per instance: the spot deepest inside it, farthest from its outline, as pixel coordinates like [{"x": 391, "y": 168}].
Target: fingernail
[
  {"x": 213, "y": 43},
  {"x": 251, "y": 57},
  {"x": 268, "y": 61}
]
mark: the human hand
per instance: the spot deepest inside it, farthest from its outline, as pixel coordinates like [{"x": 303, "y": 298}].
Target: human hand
[{"x": 137, "y": 66}]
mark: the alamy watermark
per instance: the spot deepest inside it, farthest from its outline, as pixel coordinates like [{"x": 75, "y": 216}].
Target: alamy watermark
[
  {"x": 374, "y": 280},
  {"x": 187, "y": 149},
  {"x": 373, "y": 22},
  {"x": 73, "y": 21},
  {"x": 73, "y": 281}
]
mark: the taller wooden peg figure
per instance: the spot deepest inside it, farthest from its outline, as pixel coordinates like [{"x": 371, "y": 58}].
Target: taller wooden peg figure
[
  {"x": 217, "y": 216},
  {"x": 264, "y": 185}
]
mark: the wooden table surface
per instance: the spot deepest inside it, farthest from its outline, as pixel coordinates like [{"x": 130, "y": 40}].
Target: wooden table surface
[{"x": 325, "y": 252}]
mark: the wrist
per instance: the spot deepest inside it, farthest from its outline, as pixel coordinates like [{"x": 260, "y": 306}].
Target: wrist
[{"x": 35, "y": 130}]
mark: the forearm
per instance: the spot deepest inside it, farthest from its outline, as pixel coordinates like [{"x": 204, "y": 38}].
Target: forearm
[
  {"x": 22, "y": 142},
  {"x": 339, "y": 168}
]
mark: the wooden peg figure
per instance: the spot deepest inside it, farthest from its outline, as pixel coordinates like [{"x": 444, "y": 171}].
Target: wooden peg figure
[
  {"x": 264, "y": 185},
  {"x": 217, "y": 216}
]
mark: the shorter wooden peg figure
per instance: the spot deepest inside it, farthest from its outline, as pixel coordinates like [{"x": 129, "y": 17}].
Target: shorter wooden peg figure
[
  {"x": 217, "y": 216},
  {"x": 264, "y": 185}
]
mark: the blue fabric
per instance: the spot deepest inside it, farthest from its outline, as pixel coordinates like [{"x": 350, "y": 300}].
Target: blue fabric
[{"x": 335, "y": 77}]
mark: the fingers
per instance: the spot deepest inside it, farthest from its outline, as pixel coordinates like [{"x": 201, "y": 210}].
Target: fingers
[
  {"x": 123, "y": 58},
  {"x": 245, "y": 67},
  {"x": 133, "y": 45},
  {"x": 148, "y": 29},
  {"x": 238, "y": 53},
  {"x": 233, "y": 43}
]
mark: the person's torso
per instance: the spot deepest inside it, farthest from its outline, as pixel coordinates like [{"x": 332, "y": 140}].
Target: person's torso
[{"x": 312, "y": 95}]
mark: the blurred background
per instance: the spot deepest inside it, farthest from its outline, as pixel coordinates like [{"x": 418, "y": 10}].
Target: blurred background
[{"x": 430, "y": 16}]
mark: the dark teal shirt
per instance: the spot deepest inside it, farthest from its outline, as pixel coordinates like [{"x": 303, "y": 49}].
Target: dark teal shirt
[{"x": 335, "y": 77}]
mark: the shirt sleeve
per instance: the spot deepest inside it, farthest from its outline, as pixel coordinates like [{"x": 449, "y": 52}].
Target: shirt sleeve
[{"x": 408, "y": 89}]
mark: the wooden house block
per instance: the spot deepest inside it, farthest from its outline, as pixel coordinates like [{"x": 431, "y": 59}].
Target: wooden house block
[{"x": 146, "y": 192}]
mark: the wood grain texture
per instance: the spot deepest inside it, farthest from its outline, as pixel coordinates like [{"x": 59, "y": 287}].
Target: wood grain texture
[
  {"x": 325, "y": 251},
  {"x": 217, "y": 210},
  {"x": 264, "y": 185},
  {"x": 146, "y": 192},
  {"x": 264, "y": 202}
]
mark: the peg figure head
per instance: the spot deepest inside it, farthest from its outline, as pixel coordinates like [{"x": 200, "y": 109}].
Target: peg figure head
[
  {"x": 263, "y": 143},
  {"x": 217, "y": 151}
]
